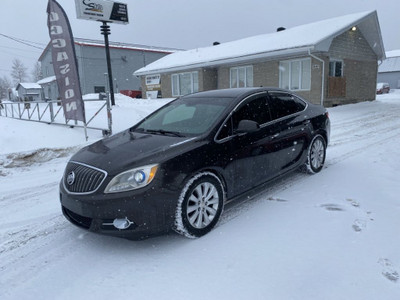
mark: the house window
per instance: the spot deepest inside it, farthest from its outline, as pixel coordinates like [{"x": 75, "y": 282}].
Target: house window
[
  {"x": 185, "y": 83},
  {"x": 241, "y": 77},
  {"x": 295, "y": 74},
  {"x": 336, "y": 68}
]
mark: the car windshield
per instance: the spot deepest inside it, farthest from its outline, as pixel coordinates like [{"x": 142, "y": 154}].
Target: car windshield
[{"x": 185, "y": 117}]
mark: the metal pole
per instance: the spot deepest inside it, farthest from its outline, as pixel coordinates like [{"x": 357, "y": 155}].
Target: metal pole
[
  {"x": 109, "y": 115},
  {"x": 105, "y": 30}
]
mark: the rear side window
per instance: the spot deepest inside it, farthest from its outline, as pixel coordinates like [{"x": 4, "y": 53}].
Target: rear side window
[{"x": 284, "y": 104}]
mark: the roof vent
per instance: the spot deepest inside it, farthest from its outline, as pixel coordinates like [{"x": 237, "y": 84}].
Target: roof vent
[
  {"x": 216, "y": 43},
  {"x": 280, "y": 29}
]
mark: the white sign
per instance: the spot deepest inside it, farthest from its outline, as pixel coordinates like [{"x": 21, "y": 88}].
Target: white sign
[
  {"x": 153, "y": 79},
  {"x": 151, "y": 94},
  {"x": 102, "y": 10}
]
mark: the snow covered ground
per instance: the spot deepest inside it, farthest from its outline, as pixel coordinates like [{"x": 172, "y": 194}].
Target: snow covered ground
[{"x": 334, "y": 235}]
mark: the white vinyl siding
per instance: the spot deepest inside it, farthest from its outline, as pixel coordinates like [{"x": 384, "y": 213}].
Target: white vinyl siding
[
  {"x": 295, "y": 74},
  {"x": 184, "y": 83}
]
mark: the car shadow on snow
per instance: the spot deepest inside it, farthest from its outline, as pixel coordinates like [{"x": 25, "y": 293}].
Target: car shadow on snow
[{"x": 232, "y": 210}]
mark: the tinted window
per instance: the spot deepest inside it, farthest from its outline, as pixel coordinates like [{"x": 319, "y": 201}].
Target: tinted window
[
  {"x": 226, "y": 130},
  {"x": 254, "y": 110},
  {"x": 283, "y": 104}
]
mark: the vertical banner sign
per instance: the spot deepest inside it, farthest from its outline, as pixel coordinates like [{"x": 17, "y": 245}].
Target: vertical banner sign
[{"x": 64, "y": 62}]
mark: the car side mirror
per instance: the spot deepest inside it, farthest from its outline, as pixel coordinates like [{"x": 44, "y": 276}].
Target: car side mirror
[{"x": 247, "y": 126}]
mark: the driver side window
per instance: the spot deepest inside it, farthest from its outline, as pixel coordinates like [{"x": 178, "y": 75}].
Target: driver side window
[{"x": 255, "y": 109}]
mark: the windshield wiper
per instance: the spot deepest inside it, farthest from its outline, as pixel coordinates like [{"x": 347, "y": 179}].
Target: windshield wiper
[{"x": 164, "y": 132}]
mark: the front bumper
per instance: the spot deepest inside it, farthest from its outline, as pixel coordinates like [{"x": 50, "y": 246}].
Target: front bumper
[{"x": 151, "y": 209}]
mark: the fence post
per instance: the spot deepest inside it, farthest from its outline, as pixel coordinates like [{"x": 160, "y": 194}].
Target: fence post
[{"x": 51, "y": 112}]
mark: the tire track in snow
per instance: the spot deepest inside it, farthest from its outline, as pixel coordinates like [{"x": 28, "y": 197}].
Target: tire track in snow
[
  {"x": 359, "y": 132},
  {"x": 26, "y": 193}
]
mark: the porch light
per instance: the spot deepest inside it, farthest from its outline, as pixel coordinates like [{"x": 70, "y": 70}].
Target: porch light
[{"x": 354, "y": 28}]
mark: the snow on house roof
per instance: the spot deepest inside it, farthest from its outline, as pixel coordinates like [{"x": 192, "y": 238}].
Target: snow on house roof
[
  {"x": 116, "y": 45},
  {"x": 29, "y": 85},
  {"x": 301, "y": 39},
  {"x": 98, "y": 43},
  {"x": 393, "y": 53},
  {"x": 47, "y": 80},
  {"x": 391, "y": 63}
]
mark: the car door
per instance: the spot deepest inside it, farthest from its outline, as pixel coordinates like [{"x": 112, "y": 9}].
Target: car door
[
  {"x": 289, "y": 130},
  {"x": 247, "y": 153}
]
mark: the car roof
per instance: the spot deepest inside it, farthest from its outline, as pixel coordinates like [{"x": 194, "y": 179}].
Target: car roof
[{"x": 233, "y": 92}]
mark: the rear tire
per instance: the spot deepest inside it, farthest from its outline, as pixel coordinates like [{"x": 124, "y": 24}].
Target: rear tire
[
  {"x": 199, "y": 206},
  {"x": 316, "y": 155}
]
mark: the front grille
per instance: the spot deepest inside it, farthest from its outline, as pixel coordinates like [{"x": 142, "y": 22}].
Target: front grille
[{"x": 82, "y": 179}]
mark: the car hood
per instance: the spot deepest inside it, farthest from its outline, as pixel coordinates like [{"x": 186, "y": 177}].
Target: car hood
[{"x": 127, "y": 150}]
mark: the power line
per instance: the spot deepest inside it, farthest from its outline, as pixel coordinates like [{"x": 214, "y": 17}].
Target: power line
[
  {"x": 16, "y": 55},
  {"x": 19, "y": 49},
  {"x": 25, "y": 42}
]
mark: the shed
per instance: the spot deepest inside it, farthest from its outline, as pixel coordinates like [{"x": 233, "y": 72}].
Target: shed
[
  {"x": 389, "y": 70},
  {"x": 29, "y": 91},
  {"x": 48, "y": 85},
  {"x": 322, "y": 61}
]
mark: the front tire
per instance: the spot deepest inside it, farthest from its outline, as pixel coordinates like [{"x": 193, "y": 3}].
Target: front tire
[
  {"x": 199, "y": 206},
  {"x": 316, "y": 155}
]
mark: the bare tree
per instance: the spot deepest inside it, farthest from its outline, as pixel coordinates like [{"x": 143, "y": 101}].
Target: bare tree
[
  {"x": 5, "y": 85},
  {"x": 18, "y": 72},
  {"x": 37, "y": 72}
]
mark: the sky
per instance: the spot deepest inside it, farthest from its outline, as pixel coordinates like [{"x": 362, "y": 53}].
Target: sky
[{"x": 183, "y": 24}]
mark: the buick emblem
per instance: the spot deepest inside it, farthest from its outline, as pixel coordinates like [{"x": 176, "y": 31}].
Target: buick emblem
[{"x": 71, "y": 178}]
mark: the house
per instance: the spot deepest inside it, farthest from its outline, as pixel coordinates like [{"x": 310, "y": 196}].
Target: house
[
  {"x": 332, "y": 62},
  {"x": 49, "y": 87},
  {"x": 92, "y": 65},
  {"x": 389, "y": 70},
  {"x": 29, "y": 92}
]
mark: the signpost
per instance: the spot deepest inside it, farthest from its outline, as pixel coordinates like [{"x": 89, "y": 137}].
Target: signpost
[{"x": 104, "y": 11}]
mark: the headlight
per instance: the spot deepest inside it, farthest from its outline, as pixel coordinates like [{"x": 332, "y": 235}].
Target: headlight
[{"x": 132, "y": 179}]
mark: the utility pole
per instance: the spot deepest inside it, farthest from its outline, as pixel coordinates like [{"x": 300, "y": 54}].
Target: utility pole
[{"x": 105, "y": 30}]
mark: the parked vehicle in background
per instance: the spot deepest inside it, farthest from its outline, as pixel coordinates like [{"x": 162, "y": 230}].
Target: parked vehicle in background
[
  {"x": 132, "y": 93},
  {"x": 382, "y": 88},
  {"x": 178, "y": 167}
]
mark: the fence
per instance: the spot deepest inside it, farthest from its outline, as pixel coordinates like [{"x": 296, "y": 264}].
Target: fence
[{"x": 51, "y": 112}]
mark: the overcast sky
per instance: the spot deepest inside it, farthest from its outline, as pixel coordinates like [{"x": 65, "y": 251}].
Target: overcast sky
[{"x": 182, "y": 24}]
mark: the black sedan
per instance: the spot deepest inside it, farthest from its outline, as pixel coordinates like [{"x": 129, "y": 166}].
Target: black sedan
[{"x": 178, "y": 167}]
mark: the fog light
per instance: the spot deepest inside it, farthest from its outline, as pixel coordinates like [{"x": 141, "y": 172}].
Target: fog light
[{"x": 122, "y": 223}]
